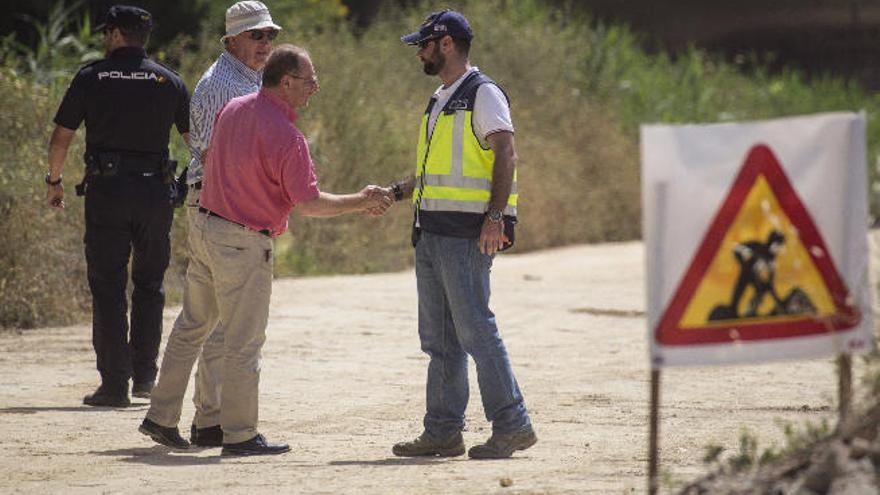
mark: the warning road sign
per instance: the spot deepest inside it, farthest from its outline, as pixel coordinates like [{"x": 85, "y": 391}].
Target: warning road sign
[
  {"x": 756, "y": 240},
  {"x": 762, "y": 271}
]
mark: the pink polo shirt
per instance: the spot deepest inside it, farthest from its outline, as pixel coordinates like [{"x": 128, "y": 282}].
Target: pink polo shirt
[{"x": 258, "y": 166}]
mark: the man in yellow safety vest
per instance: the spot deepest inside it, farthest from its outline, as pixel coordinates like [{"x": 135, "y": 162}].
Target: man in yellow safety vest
[{"x": 464, "y": 194}]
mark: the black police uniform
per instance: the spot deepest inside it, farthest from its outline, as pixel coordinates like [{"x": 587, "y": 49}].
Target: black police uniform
[{"x": 128, "y": 103}]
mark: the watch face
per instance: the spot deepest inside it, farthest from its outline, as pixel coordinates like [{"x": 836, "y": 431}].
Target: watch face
[{"x": 495, "y": 215}]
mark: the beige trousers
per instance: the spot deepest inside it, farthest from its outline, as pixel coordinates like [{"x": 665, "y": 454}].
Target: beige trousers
[
  {"x": 209, "y": 373},
  {"x": 229, "y": 280}
]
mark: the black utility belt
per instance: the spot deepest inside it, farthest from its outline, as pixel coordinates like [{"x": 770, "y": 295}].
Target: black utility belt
[
  {"x": 110, "y": 163},
  {"x": 104, "y": 164},
  {"x": 210, "y": 213},
  {"x": 127, "y": 173}
]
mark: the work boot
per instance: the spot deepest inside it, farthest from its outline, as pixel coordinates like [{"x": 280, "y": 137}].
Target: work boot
[
  {"x": 164, "y": 435},
  {"x": 104, "y": 397},
  {"x": 503, "y": 445},
  {"x": 211, "y": 436},
  {"x": 426, "y": 445},
  {"x": 142, "y": 390}
]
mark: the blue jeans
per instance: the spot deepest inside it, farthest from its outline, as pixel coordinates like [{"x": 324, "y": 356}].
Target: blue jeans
[{"x": 454, "y": 321}]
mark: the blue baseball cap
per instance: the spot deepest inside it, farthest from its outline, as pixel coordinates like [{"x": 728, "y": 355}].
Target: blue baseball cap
[
  {"x": 128, "y": 18},
  {"x": 438, "y": 25}
]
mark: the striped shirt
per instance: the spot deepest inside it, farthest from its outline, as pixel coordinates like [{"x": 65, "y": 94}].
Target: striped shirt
[{"x": 226, "y": 79}]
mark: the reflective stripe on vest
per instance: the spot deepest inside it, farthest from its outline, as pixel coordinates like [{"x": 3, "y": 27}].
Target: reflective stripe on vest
[{"x": 454, "y": 170}]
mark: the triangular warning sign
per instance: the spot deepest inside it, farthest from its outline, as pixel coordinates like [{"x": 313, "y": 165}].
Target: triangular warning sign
[{"x": 761, "y": 272}]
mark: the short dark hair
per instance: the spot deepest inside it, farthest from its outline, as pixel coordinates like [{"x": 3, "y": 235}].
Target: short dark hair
[
  {"x": 284, "y": 59},
  {"x": 133, "y": 37},
  {"x": 462, "y": 45}
]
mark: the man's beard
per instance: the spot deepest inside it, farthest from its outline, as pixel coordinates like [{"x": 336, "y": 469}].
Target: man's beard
[{"x": 433, "y": 67}]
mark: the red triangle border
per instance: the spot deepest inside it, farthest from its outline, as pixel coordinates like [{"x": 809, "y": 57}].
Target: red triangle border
[{"x": 760, "y": 160}]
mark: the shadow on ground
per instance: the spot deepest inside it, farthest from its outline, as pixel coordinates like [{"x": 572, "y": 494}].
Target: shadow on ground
[
  {"x": 410, "y": 461},
  {"x": 158, "y": 455},
  {"x": 38, "y": 409}
]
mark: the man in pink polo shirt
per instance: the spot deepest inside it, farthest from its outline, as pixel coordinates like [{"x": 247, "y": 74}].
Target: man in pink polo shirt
[{"x": 258, "y": 168}]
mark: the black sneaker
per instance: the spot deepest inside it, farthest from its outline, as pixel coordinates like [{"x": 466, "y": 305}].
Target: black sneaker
[
  {"x": 211, "y": 436},
  {"x": 426, "y": 445},
  {"x": 142, "y": 390},
  {"x": 255, "y": 446},
  {"x": 103, "y": 397},
  {"x": 503, "y": 445},
  {"x": 166, "y": 436}
]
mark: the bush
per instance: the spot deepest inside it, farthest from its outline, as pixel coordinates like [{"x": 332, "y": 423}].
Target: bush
[{"x": 42, "y": 273}]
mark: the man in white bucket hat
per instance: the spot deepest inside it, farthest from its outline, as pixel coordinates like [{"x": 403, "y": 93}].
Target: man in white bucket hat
[
  {"x": 247, "y": 16},
  {"x": 236, "y": 72}
]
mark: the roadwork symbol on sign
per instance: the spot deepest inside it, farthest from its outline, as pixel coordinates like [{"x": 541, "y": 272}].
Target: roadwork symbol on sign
[{"x": 761, "y": 272}]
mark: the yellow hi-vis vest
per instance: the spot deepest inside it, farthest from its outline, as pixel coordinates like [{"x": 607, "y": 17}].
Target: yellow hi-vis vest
[{"x": 453, "y": 170}]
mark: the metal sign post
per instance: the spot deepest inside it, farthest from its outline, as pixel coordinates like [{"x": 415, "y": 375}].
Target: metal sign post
[
  {"x": 654, "y": 432},
  {"x": 844, "y": 387}
]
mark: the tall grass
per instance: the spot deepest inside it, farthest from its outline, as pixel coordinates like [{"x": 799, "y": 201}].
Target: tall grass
[
  {"x": 42, "y": 272},
  {"x": 578, "y": 92},
  {"x": 696, "y": 87}
]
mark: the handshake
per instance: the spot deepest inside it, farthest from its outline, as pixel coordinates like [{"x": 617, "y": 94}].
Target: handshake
[
  {"x": 376, "y": 200},
  {"x": 372, "y": 200}
]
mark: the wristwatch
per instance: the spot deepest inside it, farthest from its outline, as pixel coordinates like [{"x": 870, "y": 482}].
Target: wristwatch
[
  {"x": 495, "y": 215},
  {"x": 52, "y": 182}
]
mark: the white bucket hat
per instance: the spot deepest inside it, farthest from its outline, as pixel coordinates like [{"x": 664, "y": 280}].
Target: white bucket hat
[{"x": 247, "y": 15}]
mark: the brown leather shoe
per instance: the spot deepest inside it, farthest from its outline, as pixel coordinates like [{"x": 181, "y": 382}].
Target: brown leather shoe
[
  {"x": 426, "y": 445},
  {"x": 503, "y": 445}
]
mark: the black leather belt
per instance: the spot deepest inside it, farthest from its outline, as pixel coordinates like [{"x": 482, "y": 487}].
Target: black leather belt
[{"x": 210, "y": 213}]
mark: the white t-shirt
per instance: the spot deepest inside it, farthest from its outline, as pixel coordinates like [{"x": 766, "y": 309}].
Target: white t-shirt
[{"x": 491, "y": 111}]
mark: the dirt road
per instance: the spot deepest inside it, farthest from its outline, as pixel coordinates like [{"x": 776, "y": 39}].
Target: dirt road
[{"x": 343, "y": 379}]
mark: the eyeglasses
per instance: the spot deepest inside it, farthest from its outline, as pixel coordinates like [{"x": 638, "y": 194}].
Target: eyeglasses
[
  {"x": 257, "y": 34},
  {"x": 309, "y": 81},
  {"x": 424, "y": 43}
]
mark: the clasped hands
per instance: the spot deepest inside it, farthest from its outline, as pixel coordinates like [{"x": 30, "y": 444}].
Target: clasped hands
[{"x": 377, "y": 200}]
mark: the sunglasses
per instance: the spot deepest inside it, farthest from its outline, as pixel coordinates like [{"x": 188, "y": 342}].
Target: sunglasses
[
  {"x": 424, "y": 43},
  {"x": 257, "y": 35}
]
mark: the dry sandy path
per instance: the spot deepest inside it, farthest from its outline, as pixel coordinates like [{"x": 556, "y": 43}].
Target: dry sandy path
[{"x": 343, "y": 379}]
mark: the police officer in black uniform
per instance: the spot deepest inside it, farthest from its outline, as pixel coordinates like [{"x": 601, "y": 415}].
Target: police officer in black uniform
[{"x": 128, "y": 103}]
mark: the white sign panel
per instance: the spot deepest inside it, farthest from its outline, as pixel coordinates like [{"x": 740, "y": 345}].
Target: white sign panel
[{"x": 756, "y": 240}]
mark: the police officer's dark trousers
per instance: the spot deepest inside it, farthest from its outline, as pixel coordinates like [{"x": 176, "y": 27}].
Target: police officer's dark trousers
[{"x": 127, "y": 216}]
